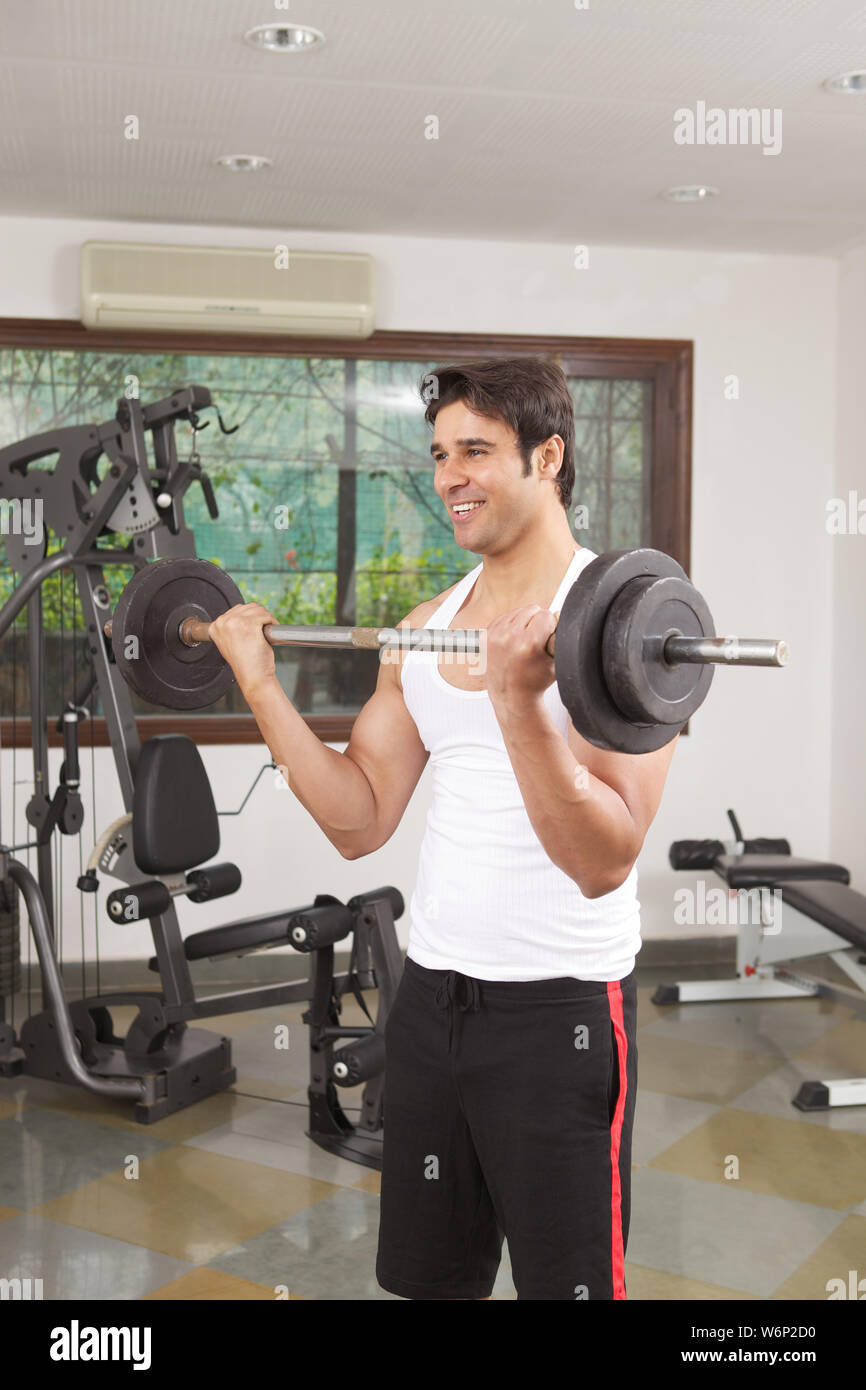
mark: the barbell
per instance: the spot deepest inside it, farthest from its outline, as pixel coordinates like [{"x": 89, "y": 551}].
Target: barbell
[{"x": 634, "y": 647}]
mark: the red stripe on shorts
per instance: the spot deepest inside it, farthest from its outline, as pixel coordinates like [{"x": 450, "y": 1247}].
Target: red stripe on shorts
[{"x": 614, "y": 995}]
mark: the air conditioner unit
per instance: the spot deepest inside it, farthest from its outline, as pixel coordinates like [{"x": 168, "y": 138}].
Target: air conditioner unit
[{"x": 204, "y": 289}]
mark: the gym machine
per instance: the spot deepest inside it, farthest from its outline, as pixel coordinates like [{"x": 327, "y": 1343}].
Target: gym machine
[
  {"x": 162, "y": 847},
  {"x": 802, "y": 908}
]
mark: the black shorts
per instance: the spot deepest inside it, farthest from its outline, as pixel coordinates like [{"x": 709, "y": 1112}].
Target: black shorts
[{"x": 508, "y": 1111}]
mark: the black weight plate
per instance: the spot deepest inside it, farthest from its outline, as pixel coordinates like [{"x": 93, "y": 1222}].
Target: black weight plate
[
  {"x": 578, "y": 653},
  {"x": 647, "y": 688},
  {"x": 157, "y": 665}
]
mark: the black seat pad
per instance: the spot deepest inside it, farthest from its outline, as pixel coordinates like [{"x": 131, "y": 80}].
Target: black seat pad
[{"x": 763, "y": 870}]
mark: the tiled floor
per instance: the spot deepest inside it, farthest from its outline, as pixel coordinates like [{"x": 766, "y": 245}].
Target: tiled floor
[{"x": 735, "y": 1193}]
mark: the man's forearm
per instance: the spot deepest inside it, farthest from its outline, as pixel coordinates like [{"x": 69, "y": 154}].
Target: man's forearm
[
  {"x": 583, "y": 824},
  {"x": 331, "y": 787}
]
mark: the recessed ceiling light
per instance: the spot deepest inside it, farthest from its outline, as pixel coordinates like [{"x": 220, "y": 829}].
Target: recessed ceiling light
[
  {"x": 243, "y": 163},
  {"x": 284, "y": 38},
  {"x": 690, "y": 193},
  {"x": 853, "y": 83}
]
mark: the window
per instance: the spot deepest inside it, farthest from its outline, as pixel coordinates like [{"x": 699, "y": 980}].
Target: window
[{"x": 327, "y": 509}]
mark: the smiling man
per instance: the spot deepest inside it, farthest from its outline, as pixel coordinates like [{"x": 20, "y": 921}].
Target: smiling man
[{"x": 511, "y": 1062}]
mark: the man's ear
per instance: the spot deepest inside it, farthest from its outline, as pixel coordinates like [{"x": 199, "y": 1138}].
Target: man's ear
[{"x": 559, "y": 461}]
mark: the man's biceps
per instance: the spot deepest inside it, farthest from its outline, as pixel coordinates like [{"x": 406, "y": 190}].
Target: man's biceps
[
  {"x": 637, "y": 778},
  {"x": 596, "y": 759},
  {"x": 384, "y": 727}
]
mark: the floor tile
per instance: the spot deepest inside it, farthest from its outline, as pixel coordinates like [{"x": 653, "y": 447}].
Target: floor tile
[
  {"x": 79, "y": 1265},
  {"x": 844, "y": 1250},
  {"x": 711, "y": 1074},
  {"x": 503, "y": 1287},
  {"x": 774, "y": 1095},
  {"x": 647, "y": 1011},
  {"x": 233, "y": 1023},
  {"x": 256, "y": 1088},
  {"x": 782, "y": 1158},
  {"x": 660, "y": 1119},
  {"x": 44, "y": 1154},
  {"x": 733, "y": 1238},
  {"x": 255, "y": 1055},
  {"x": 642, "y": 1283},
  {"x": 233, "y": 1201},
  {"x": 274, "y": 1134},
  {"x": 779, "y": 1027},
  {"x": 841, "y": 1052},
  {"x": 504, "y": 1290},
  {"x": 323, "y": 1252},
  {"x": 208, "y": 1285},
  {"x": 188, "y": 1203},
  {"x": 117, "y": 1114}
]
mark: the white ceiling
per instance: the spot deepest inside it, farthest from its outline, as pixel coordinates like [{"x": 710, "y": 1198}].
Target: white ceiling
[{"x": 556, "y": 124}]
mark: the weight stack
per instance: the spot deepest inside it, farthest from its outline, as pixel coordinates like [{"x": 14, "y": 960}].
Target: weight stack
[{"x": 10, "y": 950}]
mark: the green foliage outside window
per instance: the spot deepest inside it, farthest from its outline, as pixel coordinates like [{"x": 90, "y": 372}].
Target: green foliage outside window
[{"x": 288, "y": 523}]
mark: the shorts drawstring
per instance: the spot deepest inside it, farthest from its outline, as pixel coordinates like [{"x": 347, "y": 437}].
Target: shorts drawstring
[{"x": 458, "y": 989}]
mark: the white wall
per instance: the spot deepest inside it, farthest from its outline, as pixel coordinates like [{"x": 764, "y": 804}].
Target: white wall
[
  {"x": 845, "y": 695},
  {"x": 763, "y": 468}
]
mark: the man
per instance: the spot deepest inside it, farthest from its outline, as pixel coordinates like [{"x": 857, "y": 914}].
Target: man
[{"x": 511, "y": 1061}]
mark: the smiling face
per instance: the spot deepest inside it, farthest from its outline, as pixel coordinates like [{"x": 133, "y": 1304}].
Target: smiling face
[{"x": 479, "y": 475}]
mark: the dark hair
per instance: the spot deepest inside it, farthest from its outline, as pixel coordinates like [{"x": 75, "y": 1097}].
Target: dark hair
[{"x": 527, "y": 393}]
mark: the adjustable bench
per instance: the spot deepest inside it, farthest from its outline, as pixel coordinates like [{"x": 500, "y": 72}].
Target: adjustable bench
[{"x": 797, "y": 908}]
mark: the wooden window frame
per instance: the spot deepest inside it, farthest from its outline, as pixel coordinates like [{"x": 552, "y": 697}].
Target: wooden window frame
[{"x": 666, "y": 362}]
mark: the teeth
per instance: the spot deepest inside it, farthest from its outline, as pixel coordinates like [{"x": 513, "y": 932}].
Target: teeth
[{"x": 466, "y": 506}]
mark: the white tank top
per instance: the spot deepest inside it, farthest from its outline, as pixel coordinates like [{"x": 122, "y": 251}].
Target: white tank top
[{"x": 488, "y": 900}]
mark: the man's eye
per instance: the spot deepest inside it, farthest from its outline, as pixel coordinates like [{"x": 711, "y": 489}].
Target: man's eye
[{"x": 437, "y": 458}]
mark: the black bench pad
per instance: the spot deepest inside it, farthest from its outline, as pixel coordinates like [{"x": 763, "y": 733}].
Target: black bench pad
[{"x": 764, "y": 870}]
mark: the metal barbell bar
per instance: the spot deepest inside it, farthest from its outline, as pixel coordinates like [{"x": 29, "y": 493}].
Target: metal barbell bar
[
  {"x": 719, "y": 651},
  {"x": 634, "y": 646}
]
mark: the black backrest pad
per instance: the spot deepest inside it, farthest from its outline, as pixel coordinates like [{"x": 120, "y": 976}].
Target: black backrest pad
[
  {"x": 839, "y": 909},
  {"x": 174, "y": 820}
]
